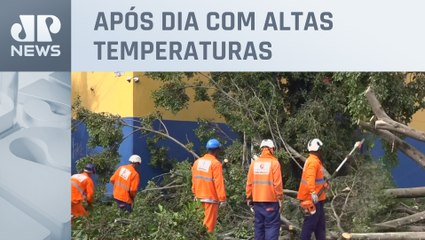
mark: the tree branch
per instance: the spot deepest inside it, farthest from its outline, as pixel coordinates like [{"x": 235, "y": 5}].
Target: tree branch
[
  {"x": 420, "y": 228},
  {"x": 406, "y": 148},
  {"x": 162, "y": 188},
  {"x": 393, "y": 224},
  {"x": 406, "y": 192},
  {"x": 290, "y": 193},
  {"x": 386, "y": 123},
  {"x": 291, "y": 226},
  {"x": 384, "y": 236},
  {"x": 374, "y": 103},
  {"x": 337, "y": 218},
  {"x": 302, "y": 158},
  {"x": 164, "y": 135},
  {"x": 286, "y": 146}
]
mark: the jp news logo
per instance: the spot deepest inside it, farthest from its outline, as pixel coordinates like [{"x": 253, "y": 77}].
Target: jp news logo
[{"x": 34, "y": 34}]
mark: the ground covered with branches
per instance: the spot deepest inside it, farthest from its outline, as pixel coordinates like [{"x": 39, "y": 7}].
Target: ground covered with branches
[
  {"x": 289, "y": 108},
  {"x": 165, "y": 209}
]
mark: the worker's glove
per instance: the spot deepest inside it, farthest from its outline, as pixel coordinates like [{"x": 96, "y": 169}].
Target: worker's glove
[
  {"x": 314, "y": 197},
  {"x": 89, "y": 206},
  {"x": 249, "y": 203},
  {"x": 326, "y": 185},
  {"x": 223, "y": 204},
  {"x": 280, "y": 204}
]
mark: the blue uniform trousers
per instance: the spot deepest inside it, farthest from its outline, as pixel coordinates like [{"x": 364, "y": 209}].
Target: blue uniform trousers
[
  {"x": 315, "y": 223},
  {"x": 124, "y": 206},
  {"x": 267, "y": 220}
]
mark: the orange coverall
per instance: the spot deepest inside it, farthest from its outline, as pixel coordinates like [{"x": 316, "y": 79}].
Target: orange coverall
[
  {"x": 312, "y": 179},
  {"x": 264, "y": 182},
  {"x": 82, "y": 188},
  {"x": 126, "y": 182},
  {"x": 208, "y": 186}
]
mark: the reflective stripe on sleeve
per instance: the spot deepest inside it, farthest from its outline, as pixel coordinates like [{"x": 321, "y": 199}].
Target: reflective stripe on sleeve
[
  {"x": 78, "y": 187},
  {"x": 262, "y": 182},
  {"x": 207, "y": 200},
  {"x": 204, "y": 178},
  {"x": 122, "y": 186},
  {"x": 318, "y": 181}
]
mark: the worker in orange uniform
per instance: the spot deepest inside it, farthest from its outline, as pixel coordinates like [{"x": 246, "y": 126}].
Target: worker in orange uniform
[
  {"x": 312, "y": 181},
  {"x": 264, "y": 192},
  {"x": 126, "y": 183},
  {"x": 208, "y": 183},
  {"x": 82, "y": 188}
]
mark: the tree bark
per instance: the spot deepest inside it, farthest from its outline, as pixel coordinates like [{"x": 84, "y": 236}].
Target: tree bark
[
  {"x": 290, "y": 193},
  {"x": 420, "y": 228},
  {"x": 393, "y": 224},
  {"x": 295, "y": 153},
  {"x": 375, "y": 104},
  {"x": 386, "y": 123},
  {"x": 406, "y": 192},
  {"x": 386, "y": 235},
  {"x": 406, "y": 148},
  {"x": 405, "y": 209},
  {"x": 288, "y": 224},
  {"x": 393, "y": 126}
]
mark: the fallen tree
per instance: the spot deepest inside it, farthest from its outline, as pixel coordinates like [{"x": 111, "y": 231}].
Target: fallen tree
[
  {"x": 386, "y": 235},
  {"x": 287, "y": 111},
  {"x": 389, "y": 137},
  {"x": 384, "y": 127},
  {"x": 406, "y": 192},
  {"x": 385, "y": 122},
  {"x": 393, "y": 224}
]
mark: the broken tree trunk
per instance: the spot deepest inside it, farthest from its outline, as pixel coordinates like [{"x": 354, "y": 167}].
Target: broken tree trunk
[
  {"x": 406, "y": 148},
  {"x": 394, "y": 126},
  {"x": 393, "y": 224},
  {"x": 386, "y": 123},
  {"x": 406, "y": 192},
  {"x": 386, "y": 235}
]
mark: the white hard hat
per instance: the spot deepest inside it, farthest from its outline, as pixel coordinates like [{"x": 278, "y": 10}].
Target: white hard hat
[
  {"x": 314, "y": 145},
  {"x": 135, "y": 159},
  {"x": 267, "y": 143}
]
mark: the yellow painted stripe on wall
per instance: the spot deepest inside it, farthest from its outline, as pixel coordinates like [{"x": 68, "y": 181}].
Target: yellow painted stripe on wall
[
  {"x": 144, "y": 104},
  {"x": 106, "y": 92},
  {"x": 418, "y": 120}
]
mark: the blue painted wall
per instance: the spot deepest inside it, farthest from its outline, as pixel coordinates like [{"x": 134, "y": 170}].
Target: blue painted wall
[
  {"x": 136, "y": 144},
  {"x": 407, "y": 173}
]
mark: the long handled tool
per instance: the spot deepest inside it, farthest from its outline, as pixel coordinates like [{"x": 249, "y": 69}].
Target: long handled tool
[
  {"x": 357, "y": 145},
  {"x": 308, "y": 205}
]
